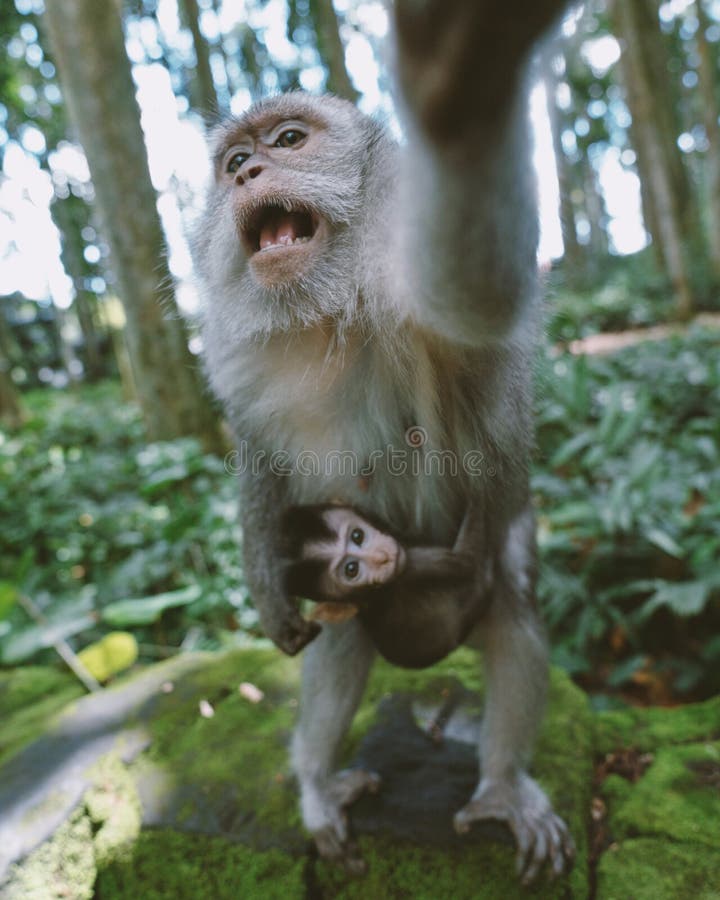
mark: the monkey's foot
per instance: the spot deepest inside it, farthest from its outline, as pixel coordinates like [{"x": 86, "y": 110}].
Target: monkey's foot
[
  {"x": 323, "y": 807},
  {"x": 541, "y": 835}
]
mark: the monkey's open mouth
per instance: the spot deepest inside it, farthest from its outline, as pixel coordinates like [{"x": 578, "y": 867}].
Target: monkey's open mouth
[{"x": 273, "y": 227}]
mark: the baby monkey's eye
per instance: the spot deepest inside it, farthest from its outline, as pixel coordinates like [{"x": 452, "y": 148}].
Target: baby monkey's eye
[
  {"x": 289, "y": 138},
  {"x": 236, "y": 161},
  {"x": 357, "y": 536},
  {"x": 351, "y": 568}
]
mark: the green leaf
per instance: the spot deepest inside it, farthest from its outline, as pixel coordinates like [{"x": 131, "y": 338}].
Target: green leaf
[
  {"x": 164, "y": 478},
  {"x": 571, "y": 447},
  {"x": 686, "y": 598},
  {"x": 573, "y": 513},
  {"x": 24, "y": 643},
  {"x": 146, "y": 610},
  {"x": 8, "y": 598},
  {"x": 666, "y": 543},
  {"x": 624, "y": 671}
]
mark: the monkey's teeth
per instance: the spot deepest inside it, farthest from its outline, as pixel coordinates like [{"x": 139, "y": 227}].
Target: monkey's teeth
[{"x": 284, "y": 241}]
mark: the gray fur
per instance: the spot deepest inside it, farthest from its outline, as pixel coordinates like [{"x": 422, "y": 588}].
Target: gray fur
[{"x": 420, "y": 311}]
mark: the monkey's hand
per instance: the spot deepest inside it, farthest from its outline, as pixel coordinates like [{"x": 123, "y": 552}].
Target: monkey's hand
[
  {"x": 459, "y": 60},
  {"x": 292, "y": 633},
  {"x": 541, "y": 835},
  {"x": 323, "y": 808}
]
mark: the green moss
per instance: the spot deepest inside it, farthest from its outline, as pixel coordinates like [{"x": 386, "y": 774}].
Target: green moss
[
  {"x": 19, "y": 687},
  {"x": 242, "y": 747},
  {"x": 229, "y": 771},
  {"x": 113, "y": 807},
  {"x": 477, "y": 871},
  {"x": 677, "y": 797},
  {"x": 463, "y": 665},
  {"x": 61, "y": 868},
  {"x": 563, "y": 762},
  {"x": 658, "y": 869},
  {"x": 166, "y": 864},
  {"x": 646, "y": 729},
  {"x": 30, "y": 698}
]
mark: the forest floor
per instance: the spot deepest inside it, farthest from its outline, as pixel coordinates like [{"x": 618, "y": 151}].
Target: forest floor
[{"x": 174, "y": 783}]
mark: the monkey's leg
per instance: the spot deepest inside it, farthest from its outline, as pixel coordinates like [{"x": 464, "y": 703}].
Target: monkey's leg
[
  {"x": 515, "y": 655},
  {"x": 335, "y": 671}
]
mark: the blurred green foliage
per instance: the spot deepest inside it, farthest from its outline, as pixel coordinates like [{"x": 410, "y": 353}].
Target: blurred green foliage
[
  {"x": 104, "y": 531},
  {"x": 628, "y": 488},
  {"x": 92, "y": 517}
]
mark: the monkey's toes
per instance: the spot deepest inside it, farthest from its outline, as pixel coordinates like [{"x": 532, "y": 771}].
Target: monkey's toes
[
  {"x": 338, "y": 849},
  {"x": 541, "y": 836},
  {"x": 541, "y": 842},
  {"x": 346, "y": 786}
]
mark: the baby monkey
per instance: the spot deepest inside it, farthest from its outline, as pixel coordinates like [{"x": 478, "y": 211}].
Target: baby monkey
[{"x": 418, "y": 603}]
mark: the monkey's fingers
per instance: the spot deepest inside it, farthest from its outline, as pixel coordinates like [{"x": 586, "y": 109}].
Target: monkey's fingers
[
  {"x": 294, "y": 634},
  {"x": 334, "y": 846},
  {"x": 346, "y": 786}
]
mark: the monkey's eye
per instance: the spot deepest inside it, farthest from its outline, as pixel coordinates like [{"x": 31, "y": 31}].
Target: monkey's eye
[
  {"x": 236, "y": 161},
  {"x": 289, "y": 138},
  {"x": 357, "y": 536},
  {"x": 351, "y": 569}
]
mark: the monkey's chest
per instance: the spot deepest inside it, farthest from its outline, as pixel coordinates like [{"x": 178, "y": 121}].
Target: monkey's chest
[{"x": 372, "y": 432}]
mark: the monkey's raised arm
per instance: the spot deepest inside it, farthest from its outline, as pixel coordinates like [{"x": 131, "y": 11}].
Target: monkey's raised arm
[
  {"x": 263, "y": 500},
  {"x": 469, "y": 233}
]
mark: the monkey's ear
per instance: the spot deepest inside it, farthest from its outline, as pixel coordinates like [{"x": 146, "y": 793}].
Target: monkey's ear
[
  {"x": 304, "y": 523},
  {"x": 303, "y": 579}
]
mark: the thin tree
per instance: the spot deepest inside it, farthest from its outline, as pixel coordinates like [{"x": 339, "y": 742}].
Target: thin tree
[
  {"x": 635, "y": 20},
  {"x": 203, "y": 87},
  {"x": 331, "y": 49},
  {"x": 573, "y": 254},
  {"x": 11, "y": 415},
  {"x": 708, "y": 73},
  {"x": 95, "y": 73}
]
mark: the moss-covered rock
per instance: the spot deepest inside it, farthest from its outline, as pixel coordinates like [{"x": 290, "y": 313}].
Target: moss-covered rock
[
  {"x": 646, "y": 729},
  {"x": 662, "y": 821},
  {"x": 656, "y": 869},
  {"x": 678, "y": 797},
  {"x": 31, "y": 696},
  {"x": 165, "y": 864},
  {"x": 175, "y": 783}
]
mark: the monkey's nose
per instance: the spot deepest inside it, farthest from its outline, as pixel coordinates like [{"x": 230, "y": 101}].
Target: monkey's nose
[
  {"x": 248, "y": 172},
  {"x": 379, "y": 558}
]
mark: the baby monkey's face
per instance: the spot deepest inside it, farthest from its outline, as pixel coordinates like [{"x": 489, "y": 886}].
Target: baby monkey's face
[{"x": 358, "y": 555}]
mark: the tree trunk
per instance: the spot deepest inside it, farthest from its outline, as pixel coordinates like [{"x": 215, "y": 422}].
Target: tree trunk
[
  {"x": 10, "y": 409},
  {"x": 89, "y": 49},
  {"x": 203, "y": 87},
  {"x": 64, "y": 214},
  {"x": 658, "y": 167},
  {"x": 331, "y": 49},
  {"x": 573, "y": 253},
  {"x": 711, "y": 112},
  {"x": 595, "y": 211}
]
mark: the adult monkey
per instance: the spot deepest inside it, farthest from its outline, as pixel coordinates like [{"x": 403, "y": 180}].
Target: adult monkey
[{"x": 353, "y": 290}]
